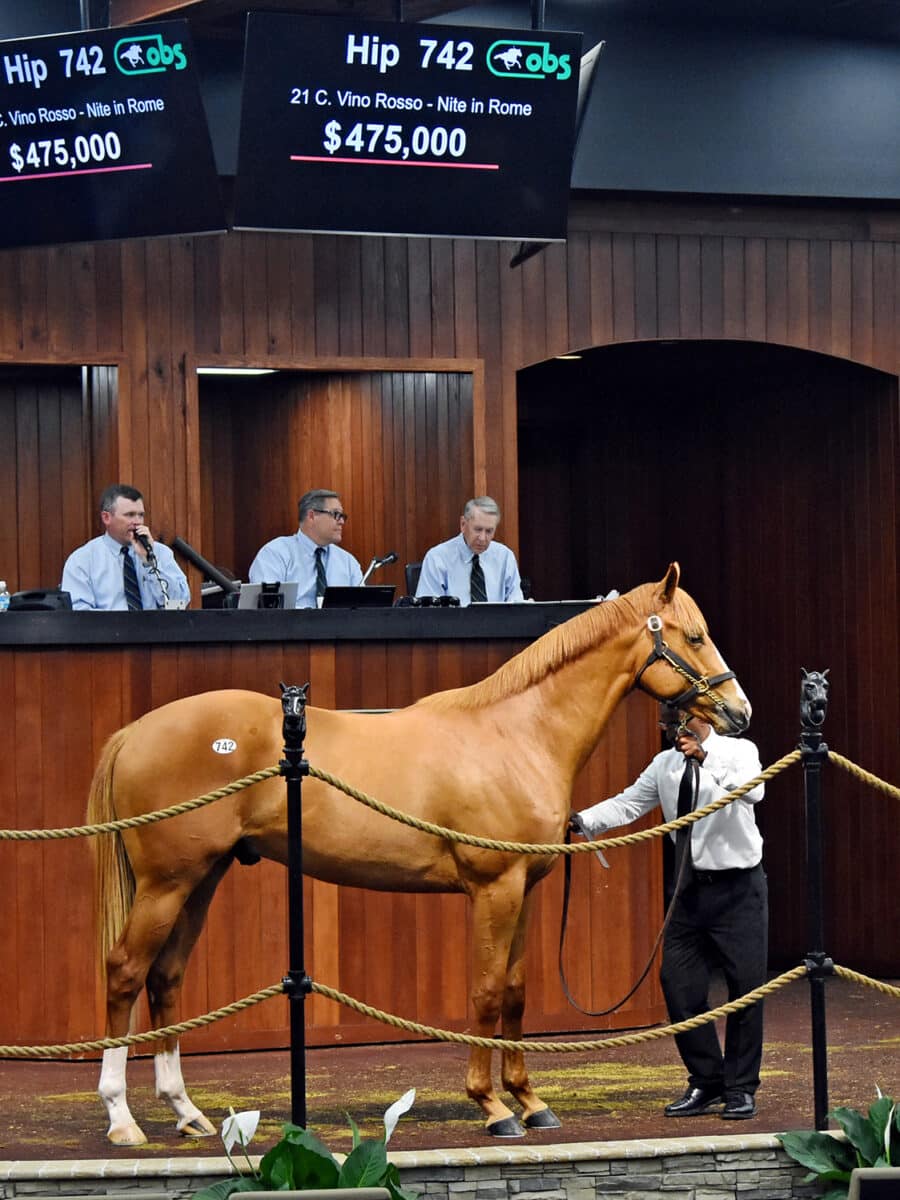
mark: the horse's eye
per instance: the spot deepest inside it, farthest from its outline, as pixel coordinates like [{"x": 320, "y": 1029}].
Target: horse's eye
[{"x": 696, "y": 639}]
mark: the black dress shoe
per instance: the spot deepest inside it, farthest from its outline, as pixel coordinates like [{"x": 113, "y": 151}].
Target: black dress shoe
[
  {"x": 739, "y": 1106},
  {"x": 695, "y": 1102}
]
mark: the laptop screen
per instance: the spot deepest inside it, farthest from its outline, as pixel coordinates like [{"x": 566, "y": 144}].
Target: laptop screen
[
  {"x": 380, "y": 595},
  {"x": 252, "y": 595}
]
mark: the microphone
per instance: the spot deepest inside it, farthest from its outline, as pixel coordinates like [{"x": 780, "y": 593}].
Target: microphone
[
  {"x": 146, "y": 543},
  {"x": 379, "y": 562}
]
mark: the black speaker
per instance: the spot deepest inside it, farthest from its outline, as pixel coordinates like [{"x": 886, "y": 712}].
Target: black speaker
[{"x": 40, "y": 600}]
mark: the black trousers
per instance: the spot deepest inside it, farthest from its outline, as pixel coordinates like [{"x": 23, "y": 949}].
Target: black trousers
[{"x": 720, "y": 920}]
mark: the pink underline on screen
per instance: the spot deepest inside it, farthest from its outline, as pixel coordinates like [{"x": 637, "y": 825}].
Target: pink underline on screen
[
  {"x": 395, "y": 162},
  {"x": 68, "y": 174}
]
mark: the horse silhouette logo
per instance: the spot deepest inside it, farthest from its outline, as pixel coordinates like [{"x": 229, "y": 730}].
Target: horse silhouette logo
[
  {"x": 133, "y": 55},
  {"x": 511, "y": 58}
]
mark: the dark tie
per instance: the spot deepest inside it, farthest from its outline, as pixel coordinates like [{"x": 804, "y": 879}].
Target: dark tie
[
  {"x": 477, "y": 590},
  {"x": 130, "y": 580},
  {"x": 321, "y": 580},
  {"x": 685, "y": 805}
]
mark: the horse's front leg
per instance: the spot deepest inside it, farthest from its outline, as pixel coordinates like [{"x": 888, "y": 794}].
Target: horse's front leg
[
  {"x": 496, "y": 907},
  {"x": 514, "y": 1072}
]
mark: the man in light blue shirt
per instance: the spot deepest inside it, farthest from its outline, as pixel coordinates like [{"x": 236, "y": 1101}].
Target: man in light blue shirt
[
  {"x": 472, "y": 566},
  {"x": 312, "y": 557},
  {"x": 97, "y": 576}
]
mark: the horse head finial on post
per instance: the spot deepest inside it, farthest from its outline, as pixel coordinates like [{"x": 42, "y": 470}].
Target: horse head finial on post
[{"x": 813, "y": 699}]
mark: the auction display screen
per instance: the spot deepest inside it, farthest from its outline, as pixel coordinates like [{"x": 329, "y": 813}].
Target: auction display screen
[
  {"x": 354, "y": 126},
  {"x": 103, "y": 135}
]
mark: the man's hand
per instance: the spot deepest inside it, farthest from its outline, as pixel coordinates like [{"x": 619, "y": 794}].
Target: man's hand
[
  {"x": 690, "y": 745},
  {"x": 140, "y": 533},
  {"x": 576, "y": 825}
]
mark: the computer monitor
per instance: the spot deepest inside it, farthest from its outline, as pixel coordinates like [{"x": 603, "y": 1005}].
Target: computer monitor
[
  {"x": 874, "y": 1183},
  {"x": 268, "y": 595}
]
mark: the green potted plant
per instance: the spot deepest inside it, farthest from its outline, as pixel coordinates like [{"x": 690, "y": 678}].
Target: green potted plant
[
  {"x": 872, "y": 1140},
  {"x": 300, "y": 1161}
]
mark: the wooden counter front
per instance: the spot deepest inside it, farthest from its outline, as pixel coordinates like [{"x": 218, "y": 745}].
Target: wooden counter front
[{"x": 71, "y": 679}]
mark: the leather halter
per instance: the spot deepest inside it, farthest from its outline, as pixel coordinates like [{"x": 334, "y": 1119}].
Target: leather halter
[{"x": 700, "y": 684}]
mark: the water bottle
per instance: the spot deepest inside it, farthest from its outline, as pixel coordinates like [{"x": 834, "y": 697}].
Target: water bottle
[{"x": 4, "y": 596}]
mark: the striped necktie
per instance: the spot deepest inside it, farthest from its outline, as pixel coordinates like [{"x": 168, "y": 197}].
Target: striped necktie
[
  {"x": 130, "y": 580},
  {"x": 477, "y": 589},
  {"x": 321, "y": 579}
]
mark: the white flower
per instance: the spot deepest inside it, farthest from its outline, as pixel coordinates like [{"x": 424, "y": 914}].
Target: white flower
[
  {"x": 396, "y": 1111},
  {"x": 239, "y": 1127}
]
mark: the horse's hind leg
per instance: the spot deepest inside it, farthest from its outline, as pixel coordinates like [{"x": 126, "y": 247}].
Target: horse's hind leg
[
  {"x": 514, "y": 1073},
  {"x": 164, "y": 982},
  {"x": 148, "y": 926}
]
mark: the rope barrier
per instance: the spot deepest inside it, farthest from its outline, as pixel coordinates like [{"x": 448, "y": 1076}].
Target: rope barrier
[
  {"x": 152, "y": 1035},
  {"x": 163, "y": 814},
  {"x": 446, "y": 1035},
  {"x": 855, "y": 977},
  {"x": 470, "y": 839},
  {"x": 629, "y": 1039},
  {"x": 866, "y": 776}
]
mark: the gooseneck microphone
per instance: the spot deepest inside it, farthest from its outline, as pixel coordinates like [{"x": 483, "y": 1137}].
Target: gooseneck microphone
[{"x": 379, "y": 562}]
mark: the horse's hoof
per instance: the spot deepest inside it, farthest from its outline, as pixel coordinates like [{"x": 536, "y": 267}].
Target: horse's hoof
[
  {"x": 544, "y": 1118},
  {"x": 506, "y": 1127},
  {"x": 126, "y": 1135},
  {"x": 197, "y": 1126}
]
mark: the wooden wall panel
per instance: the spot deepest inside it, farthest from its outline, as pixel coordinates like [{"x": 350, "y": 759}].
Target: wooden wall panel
[{"x": 397, "y": 446}]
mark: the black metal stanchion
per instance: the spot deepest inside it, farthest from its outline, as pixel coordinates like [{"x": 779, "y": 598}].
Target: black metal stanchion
[
  {"x": 814, "y": 752},
  {"x": 297, "y": 984}
]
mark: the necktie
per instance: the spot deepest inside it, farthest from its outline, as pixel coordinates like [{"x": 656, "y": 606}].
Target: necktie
[
  {"x": 477, "y": 589},
  {"x": 321, "y": 580},
  {"x": 130, "y": 580},
  {"x": 685, "y": 805}
]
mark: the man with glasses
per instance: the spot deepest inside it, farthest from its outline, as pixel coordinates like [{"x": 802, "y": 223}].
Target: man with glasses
[
  {"x": 312, "y": 557},
  {"x": 472, "y": 566}
]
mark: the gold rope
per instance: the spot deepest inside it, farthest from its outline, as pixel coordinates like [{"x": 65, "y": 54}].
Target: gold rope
[
  {"x": 866, "y": 776},
  {"x": 176, "y": 810},
  {"x": 446, "y": 1035},
  {"x": 468, "y": 839}
]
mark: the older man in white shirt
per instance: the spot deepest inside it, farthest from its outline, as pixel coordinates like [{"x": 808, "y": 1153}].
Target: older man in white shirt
[
  {"x": 472, "y": 566},
  {"x": 719, "y": 917}
]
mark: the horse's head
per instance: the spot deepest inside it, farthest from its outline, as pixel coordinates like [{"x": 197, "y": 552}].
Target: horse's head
[{"x": 683, "y": 667}]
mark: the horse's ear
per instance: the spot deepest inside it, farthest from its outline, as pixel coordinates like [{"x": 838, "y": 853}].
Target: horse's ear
[{"x": 670, "y": 582}]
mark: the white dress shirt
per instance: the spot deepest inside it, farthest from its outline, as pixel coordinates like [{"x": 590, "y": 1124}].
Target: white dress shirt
[
  {"x": 729, "y": 837},
  {"x": 93, "y": 576},
  {"x": 447, "y": 571},
  {"x": 292, "y": 559}
]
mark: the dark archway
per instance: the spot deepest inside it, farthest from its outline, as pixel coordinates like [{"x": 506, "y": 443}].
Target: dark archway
[{"x": 771, "y": 475}]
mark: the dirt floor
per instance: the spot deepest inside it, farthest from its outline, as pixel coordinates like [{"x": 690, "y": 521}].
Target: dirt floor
[{"x": 51, "y": 1111}]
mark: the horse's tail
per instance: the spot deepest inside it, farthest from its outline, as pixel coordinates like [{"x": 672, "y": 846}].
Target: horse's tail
[{"x": 113, "y": 877}]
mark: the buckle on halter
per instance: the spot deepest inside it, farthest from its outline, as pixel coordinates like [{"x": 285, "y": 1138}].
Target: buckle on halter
[
  {"x": 654, "y": 624},
  {"x": 702, "y": 685}
]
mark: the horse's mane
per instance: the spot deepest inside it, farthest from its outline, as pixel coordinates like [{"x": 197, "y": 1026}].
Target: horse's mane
[{"x": 566, "y": 643}]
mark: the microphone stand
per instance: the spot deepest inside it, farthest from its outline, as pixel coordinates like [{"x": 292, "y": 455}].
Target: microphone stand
[{"x": 376, "y": 563}]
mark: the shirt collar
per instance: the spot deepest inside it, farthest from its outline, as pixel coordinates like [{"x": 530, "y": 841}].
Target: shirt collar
[{"x": 309, "y": 545}]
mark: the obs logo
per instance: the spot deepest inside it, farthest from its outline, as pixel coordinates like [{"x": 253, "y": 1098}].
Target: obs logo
[
  {"x": 147, "y": 54},
  {"x": 527, "y": 60}
]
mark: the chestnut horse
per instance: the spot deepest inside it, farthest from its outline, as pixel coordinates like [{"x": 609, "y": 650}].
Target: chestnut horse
[{"x": 498, "y": 759}]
